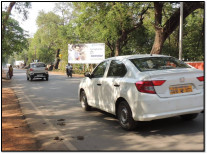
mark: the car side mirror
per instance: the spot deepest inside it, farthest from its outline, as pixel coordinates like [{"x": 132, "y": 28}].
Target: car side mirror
[{"x": 88, "y": 74}]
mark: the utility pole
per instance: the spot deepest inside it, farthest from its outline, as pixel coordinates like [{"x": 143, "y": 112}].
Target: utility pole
[
  {"x": 181, "y": 32},
  {"x": 35, "y": 53}
]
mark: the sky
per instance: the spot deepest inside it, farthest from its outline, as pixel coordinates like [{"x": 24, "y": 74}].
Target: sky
[{"x": 30, "y": 24}]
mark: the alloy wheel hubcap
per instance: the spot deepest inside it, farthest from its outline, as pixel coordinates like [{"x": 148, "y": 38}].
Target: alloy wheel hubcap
[
  {"x": 124, "y": 115},
  {"x": 83, "y": 102}
]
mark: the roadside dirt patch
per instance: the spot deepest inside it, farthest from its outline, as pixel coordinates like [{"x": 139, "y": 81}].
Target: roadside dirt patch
[{"x": 16, "y": 135}]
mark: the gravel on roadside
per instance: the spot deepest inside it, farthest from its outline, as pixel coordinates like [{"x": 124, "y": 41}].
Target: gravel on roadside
[{"x": 16, "y": 135}]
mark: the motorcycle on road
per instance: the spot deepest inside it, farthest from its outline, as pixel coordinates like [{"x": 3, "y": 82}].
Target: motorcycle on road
[{"x": 69, "y": 70}]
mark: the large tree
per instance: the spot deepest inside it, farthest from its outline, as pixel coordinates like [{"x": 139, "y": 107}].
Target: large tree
[
  {"x": 21, "y": 7},
  {"x": 14, "y": 40},
  {"x": 46, "y": 40},
  {"x": 6, "y": 17},
  {"x": 111, "y": 22},
  {"x": 163, "y": 31},
  {"x": 64, "y": 9}
]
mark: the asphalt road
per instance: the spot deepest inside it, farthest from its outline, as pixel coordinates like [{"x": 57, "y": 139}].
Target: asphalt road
[{"x": 54, "y": 114}]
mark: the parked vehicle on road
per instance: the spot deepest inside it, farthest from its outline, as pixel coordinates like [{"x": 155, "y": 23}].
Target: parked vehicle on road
[
  {"x": 143, "y": 88},
  {"x": 37, "y": 70}
]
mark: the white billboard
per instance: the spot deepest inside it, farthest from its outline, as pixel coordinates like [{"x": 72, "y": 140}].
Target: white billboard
[{"x": 86, "y": 53}]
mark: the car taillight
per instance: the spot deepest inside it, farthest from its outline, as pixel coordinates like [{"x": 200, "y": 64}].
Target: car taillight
[
  {"x": 31, "y": 69},
  {"x": 46, "y": 68},
  {"x": 201, "y": 78},
  {"x": 158, "y": 82},
  {"x": 148, "y": 86}
]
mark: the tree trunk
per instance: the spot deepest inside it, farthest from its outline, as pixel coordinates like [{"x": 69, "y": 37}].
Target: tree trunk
[
  {"x": 118, "y": 49},
  {"x": 57, "y": 59},
  {"x": 111, "y": 47},
  {"x": 6, "y": 18},
  {"x": 171, "y": 24},
  {"x": 159, "y": 38},
  {"x": 158, "y": 42}
]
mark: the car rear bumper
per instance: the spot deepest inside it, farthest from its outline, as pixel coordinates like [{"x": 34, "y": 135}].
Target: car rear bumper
[
  {"x": 39, "y": 75},
  {"x": 153, "y": 107}
]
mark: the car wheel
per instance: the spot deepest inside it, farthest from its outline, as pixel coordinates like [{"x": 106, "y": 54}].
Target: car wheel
[
  {"x": 47, "y": 78},
  {"x": 125, "y": 116},
  {"x": 189, "y": 116},
  {"x": 27, "y": 78},
  {"x": 84, "y": 102}
]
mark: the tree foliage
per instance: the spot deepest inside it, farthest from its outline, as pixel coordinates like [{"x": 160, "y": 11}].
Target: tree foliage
[
  {"x": 46, "y": 39},
  {"x": 14, "y": 41},
  {"x": 64, "y": 9},
  {"x": 193, "y": 43},
  {"x": 110, "y": 22},
  {"x": 13, "y": 36},
  {"x": 21, "y": 7},
  {"x": 125, "y": 28}
]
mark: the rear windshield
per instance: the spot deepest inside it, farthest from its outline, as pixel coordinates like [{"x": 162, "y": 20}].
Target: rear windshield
[
  {"x": 37, "y": 65},
  {"x": 158, "y": 63}
]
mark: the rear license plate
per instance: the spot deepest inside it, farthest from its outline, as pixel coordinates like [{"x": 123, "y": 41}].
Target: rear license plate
[{"x": 181, "y": 89}]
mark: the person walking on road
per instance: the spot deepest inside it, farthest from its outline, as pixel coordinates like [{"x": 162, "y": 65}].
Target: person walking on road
[{"x": 10, "y": 71}]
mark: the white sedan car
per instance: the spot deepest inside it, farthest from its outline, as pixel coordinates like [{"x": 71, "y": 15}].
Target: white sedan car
[{"x": 143, "y": 88}]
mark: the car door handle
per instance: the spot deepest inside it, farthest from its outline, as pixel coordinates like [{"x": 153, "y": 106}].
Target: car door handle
[
  {"x": 116, "y": 85},
  {"x": 98, "y": 84}
]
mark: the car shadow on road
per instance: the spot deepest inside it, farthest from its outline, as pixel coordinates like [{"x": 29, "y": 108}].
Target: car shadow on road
[
  {"x": 37, "y": 80},
  {"x": 170, "y": 126},
  {"x": 164, "y": 127}
]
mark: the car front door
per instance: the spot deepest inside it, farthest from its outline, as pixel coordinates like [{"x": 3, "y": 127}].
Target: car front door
[
  {"x": 111, "y": 85},
  {"x": 95, "y": 85}
]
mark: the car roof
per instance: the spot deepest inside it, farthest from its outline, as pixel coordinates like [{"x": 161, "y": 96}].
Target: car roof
[{"x": 136, "y": 56}]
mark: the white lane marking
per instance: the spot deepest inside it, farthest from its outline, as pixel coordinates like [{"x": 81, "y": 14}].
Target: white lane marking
[{"x": 68, "y": 144}]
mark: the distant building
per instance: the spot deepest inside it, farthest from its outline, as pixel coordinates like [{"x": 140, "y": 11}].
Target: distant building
[{"x": 19, "y": 64}]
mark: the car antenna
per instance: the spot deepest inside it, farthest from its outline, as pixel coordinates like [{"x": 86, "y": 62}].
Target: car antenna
[{"x": 150, "y": 54}]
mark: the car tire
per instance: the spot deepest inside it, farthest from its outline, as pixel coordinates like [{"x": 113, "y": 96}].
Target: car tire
[
  {"x": 125, "y": 116},
  {"x": 189, "y": 116},
  {"x": 84, "y": 102},
  {"x": 27, "y": 78},
  {"x": 47, "y": 78}
]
